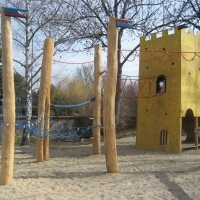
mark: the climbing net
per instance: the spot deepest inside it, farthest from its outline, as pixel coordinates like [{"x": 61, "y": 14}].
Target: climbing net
[
  {"x": 45, "y": 127},
  {"x": 134, "y": 87},
  {"x": 131, "y": 87},
  {"x": 51, "y": 129}
]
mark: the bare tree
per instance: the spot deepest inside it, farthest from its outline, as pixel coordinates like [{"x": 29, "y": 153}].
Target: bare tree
[
  {"x": 185, "y": 12},
  {"x": 91, "y": 24},
  {"x": 86, "y": 73},
  {"x": 44, "y": 20}
]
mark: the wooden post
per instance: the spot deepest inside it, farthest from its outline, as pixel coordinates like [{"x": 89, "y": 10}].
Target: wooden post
[
  {"x": 96, "y": 132},
  {"x": 180, "y": 141},
  {"x": 44, "y": 98},
  {"x": 109, "y": 99},
  {"x": 196, "y": 134},
  {"x": 7, "y": 158},
  {"x": 47, "y": 121}
]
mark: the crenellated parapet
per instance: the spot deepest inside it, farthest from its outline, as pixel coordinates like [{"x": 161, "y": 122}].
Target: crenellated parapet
[{"x": 172, "y": 33}]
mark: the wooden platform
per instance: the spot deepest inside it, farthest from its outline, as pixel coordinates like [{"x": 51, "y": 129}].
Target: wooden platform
[{"x": 187, "y": 146}]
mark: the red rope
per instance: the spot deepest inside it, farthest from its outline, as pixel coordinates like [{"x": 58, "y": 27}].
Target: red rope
[
  {"x": 72, "y": 63},
  {"x": 152, "y": 54},
  {"x": 135, "y": 85}
]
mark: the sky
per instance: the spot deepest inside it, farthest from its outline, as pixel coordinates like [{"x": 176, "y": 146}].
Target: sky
[{"x": 60, "y": 69}]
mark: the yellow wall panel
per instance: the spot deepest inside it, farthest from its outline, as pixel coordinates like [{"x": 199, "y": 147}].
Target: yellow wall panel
[{"x": 190, "y": 74}]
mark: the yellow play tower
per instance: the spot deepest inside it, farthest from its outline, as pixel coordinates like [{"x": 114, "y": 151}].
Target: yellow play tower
[{"x": 171, "y": 100}]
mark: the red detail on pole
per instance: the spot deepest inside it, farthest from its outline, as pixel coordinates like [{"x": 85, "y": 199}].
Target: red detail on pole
[
  {"x": 126, "y": 21},
  {"x": 15, "y": 15}
]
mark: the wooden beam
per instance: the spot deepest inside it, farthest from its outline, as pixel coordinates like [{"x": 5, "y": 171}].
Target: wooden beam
[
  {"x": 109, "y": 99},
  {"x": 7, "y": 157},
  {"x": 96, "y": 133}
]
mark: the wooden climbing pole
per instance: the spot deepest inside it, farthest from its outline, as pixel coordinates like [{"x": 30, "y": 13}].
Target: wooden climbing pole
[
  {"x": 196, "y": 136},
  {"x": 44, "y": 99},
  {"x": 7, "y": 157},
  {"x": 109, "y": 99},
  {"x": 96, "y": 132}
]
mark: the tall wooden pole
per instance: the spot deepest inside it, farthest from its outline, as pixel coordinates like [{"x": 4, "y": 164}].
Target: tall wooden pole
[
  {"x": 7, "y": 158},
  {"x": 109, "y": 99},
  {"x": 96, "y": 132},
  {"x": 196, "y": 136},
  {"x": 47, "y": 111},
  {"x": 44, "y": 98}
]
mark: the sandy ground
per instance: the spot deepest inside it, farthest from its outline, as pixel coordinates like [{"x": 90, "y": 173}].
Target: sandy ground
[{"x": 74, "y": 173}]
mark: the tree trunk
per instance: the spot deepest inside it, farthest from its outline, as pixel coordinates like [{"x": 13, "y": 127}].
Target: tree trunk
[{"x": 26, "y": 134}]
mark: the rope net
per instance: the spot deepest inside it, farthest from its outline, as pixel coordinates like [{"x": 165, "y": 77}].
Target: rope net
[
  {"x": 131, "y": 87},
  {"x": 39, "y": 127},
  {"x": 55, "y": 130}
]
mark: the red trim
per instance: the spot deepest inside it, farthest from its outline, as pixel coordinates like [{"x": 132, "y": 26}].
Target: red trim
[
  {"x": 124, "y": 21},
  {"x": 15, "y": 15}
]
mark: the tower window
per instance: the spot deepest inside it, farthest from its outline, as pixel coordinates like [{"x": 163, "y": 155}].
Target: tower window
[{"x": 161, "y": 84}]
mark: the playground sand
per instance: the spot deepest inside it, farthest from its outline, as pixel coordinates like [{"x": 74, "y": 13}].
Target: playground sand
[{"x": 74, "y": 173}]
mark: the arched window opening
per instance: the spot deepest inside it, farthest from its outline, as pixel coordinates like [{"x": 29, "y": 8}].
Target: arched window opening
[
  {"x": 161, "y": 84},
  {"x": 163, "y": 137}
]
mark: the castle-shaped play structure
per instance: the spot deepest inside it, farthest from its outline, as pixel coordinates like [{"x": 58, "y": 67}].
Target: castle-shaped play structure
[{"x": 173, "y": 104}]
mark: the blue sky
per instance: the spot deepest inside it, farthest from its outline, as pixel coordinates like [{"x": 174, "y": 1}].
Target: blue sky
[{"x": 62, "y": 69}]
